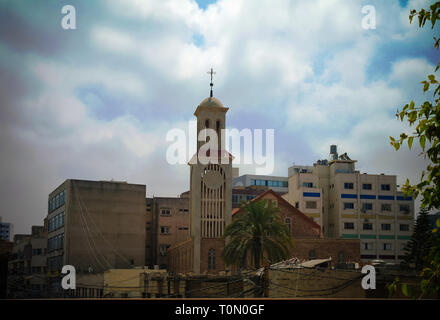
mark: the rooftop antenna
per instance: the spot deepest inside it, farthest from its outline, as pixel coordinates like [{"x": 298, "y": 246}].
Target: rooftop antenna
[{"x": 211, "y": 84}]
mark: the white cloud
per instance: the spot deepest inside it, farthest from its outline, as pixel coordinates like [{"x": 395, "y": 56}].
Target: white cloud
[{"x": 304, "y": 64}]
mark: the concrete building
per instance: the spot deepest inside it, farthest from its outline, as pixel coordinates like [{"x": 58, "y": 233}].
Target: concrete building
[
  {"x": 6, "y": 230},
  {"x": 95, "y": 226},
  {"x": 27, "y": 265},
  {"x": 168, "y": 222},
  {"x": 5, "y": 255},
  {"x": 353, "y": 205},
  {"x": 278, "y": 184},
  {"x": 240, "y": 194},
  {"x": 127, "y": 283}
]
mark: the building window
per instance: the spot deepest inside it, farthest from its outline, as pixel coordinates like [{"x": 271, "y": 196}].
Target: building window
[
  {"x": 348, "y": 185},
  {"x": 165, "y": 212},
  {"x": 404, "y": 227},
  {"x": 297, "y": 204},
  {"x": 387, "y": 246},
  {"x": 258, "y": 182},
  {"x": 385, "y": 207},
  {"x": 312, "y": 254},
  {"x": 404, "y": 208},
  {"x": 368, "y": 226},
  {"x": 368, "y": 246},
  {"x": 163, "y": 249},
  {"x": 367, "y": 206},
  {"x": 366, "y": 186},
  {"x": 288, "y": 223},
  {"x": 385, "y": 187},
  {"x": 341, "y": 257},
  {"x": 164, "y": 230},
  {"x": 207, "y": 123},
  {"x": 310, "y": 204},
  {"x": 308, "y": 184},
  {"x": 211, "y": 259},
  {"x": 36, "y": 269},
  {"x": 36, "y": 252},
  {"x": 386, "y": 227},
  {"x": 348, "y": 205},
  {"x": 349, "y": 225},
  {"x": 217, "y": 125}
]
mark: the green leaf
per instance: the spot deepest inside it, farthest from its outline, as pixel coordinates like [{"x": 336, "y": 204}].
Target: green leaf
[
  {"x": 426, "y": 86},
  {"x": 410, "y": 142},
  {"x": 422, "y": 141},
  {"x": 405, "y": 289}
]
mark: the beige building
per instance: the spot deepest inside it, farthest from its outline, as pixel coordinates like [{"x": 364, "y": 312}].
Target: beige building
[
  {"x": 167, "y": 224},
  {"x": 128, "y": 283},
  {"x": 95, "y": 226},
  {"x": 353, "y": 205}
]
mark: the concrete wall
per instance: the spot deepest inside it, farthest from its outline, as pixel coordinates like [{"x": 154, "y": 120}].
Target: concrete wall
[
  {"x": 314, "y": 283},
  {"x": 180, "y": 257},
  {"x": 104, "y": 225},
  {"x": 348, "y": 249}
]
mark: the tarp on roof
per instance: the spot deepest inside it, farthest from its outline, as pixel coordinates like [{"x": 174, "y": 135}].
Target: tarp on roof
[{"x": 314, "y": 263}]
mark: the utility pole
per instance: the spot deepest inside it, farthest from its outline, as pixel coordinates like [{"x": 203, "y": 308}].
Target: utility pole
[
  {"x": 266, "y": 282},
  {"x": 145, "y": 284}
]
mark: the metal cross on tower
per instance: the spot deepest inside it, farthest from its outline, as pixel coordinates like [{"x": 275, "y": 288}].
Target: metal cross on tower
[{"x": 211, "y": 84}]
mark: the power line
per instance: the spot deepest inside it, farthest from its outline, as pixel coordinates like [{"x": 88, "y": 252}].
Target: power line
[{"x": 97, "y": 228}]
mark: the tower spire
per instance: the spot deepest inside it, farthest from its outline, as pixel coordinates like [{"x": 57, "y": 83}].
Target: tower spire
[{"x": 211, "y": 84}]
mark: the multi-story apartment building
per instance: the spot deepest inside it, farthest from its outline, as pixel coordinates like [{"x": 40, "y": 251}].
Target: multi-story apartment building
[
  {"x": 277, "y": 184},
  {"x": 27, "y": 265},
  {"x": 5, "y": 255},
  {"x": 167, "y": 224},
  {"x": 353, "y": 205},
  {"x": 95, "y": 226},
  {"x": 6, "y": 230}
]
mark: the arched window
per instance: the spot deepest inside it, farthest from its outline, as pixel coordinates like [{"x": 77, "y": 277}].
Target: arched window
[
  {"x": 211, "y": 259},
  {"x": 312, "y": 254},
  {"x": 341, "y": 257},
  {"x": 207, "y": 123}
]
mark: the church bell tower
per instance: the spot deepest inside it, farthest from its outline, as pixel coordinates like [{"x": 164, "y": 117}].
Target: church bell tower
[{"x": 210, "y": 188}]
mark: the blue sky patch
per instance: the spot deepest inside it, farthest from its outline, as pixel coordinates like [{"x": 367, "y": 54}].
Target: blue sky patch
[{"x": 203, "y": 4}]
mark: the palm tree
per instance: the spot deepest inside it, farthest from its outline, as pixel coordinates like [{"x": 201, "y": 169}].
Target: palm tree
[{"x": 256, "y": 231}]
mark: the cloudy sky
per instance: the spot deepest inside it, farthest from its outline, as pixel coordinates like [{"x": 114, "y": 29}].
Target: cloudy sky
[{"x": 97, "y": 102}]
